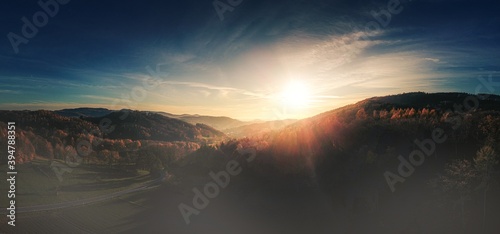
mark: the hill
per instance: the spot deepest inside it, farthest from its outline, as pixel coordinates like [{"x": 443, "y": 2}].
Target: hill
[
  {"x": 217, "y": 122},
  {"x": 118, "y": 137},
  {"x": 392, "y": 123},
  {"x": 137, "y": 125},
  {"x": 412, "y": 158},
  {"x": 255, "y": 129},
  {"x": 83, "y": 112},
  {"x": 232, "y": 127},
  {"x": 407, "y": 163}
]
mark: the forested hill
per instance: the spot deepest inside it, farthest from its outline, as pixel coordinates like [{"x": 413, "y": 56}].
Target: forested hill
[
  {"x": 50, "y": 135},
  {"x": 139, "y": 125},
  {"x": 83, "y": 112},
  {"x": 367, "y": 137},
  {"x": 218, "y": 122},
  {"x": 419, "y": 100},
  {"x": 377, "y": 125},
  {"x": 389, "y": 163}
]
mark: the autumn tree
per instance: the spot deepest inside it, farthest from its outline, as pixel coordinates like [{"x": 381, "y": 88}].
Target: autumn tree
[
  {"x": 490, "y": 128},
  {"x": 484, "y": 163},
  {"x": 396, "y": 113},
  {"x": 361, "y": 114},
  {"x": 383, "y": 114},
  {"x": 456, "y": 185}
]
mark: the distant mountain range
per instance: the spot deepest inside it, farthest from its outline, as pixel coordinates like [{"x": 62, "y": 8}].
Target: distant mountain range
[
  {"x": 333, "y": 127},
  {"x": 125, "y": 124},
  {"x": 379, "y": 157},
  {"x": 232, "y": 127},
  {"x": 258, "y": 128},
  {"x": 218, "y": 122},
  {"x": 83, "y": 112},
  {"x": 153, "y": 126}
]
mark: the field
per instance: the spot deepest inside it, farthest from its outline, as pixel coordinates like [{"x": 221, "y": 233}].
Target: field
[
  {"x": 112, "y": 216},
  {"x": 37, "y": 184}
]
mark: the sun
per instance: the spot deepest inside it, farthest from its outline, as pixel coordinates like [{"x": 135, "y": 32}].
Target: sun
[{"x": 295, "y": 94}]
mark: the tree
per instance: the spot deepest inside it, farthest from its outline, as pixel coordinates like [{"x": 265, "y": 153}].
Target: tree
[
  {"x": 383, "y": 114},
  {"x": 410, "y": 112},
  {"x": 456, "y": 184},
  {"x": 490, "y": 128},
  {"x": 396, "y": 113},
  {"x": 484, "y": 163},
  {"x": 361, "y": 114},
  {"x": 106, "y": 156}
]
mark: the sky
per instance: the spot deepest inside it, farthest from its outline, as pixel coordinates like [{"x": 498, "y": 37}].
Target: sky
[{"x": 246, "y": 59}]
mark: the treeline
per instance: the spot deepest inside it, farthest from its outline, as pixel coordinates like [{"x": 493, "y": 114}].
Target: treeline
[
  {"x": 139, "y": 154},
  {"x": 141, "y": 140},
  {"x": 347, "y": 152},
  {"x": 138, "y": 125},
  {"x": 361, "y": 137}
]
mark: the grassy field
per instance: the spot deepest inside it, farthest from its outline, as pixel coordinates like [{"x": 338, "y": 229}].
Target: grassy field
[
  {"x": 113, "y": 216},
  {"x": 37, "y": 184}
]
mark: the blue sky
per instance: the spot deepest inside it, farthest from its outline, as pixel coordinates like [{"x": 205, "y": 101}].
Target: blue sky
[{"x": 180, "y": 57}]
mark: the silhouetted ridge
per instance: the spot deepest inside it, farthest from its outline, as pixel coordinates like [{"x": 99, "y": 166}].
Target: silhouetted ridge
[{"x": 137, "y": 125}]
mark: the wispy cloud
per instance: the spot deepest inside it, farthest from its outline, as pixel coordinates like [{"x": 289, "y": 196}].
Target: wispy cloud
[
  {"x": 433, "y": 60},
  {"x": 100, "y": 98},
  {"x": 239, "y": 66},
  {"x": 216, "y": 88},
  {"x": 45, "y": 106},
  {"x": 6, "y": 91}
]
